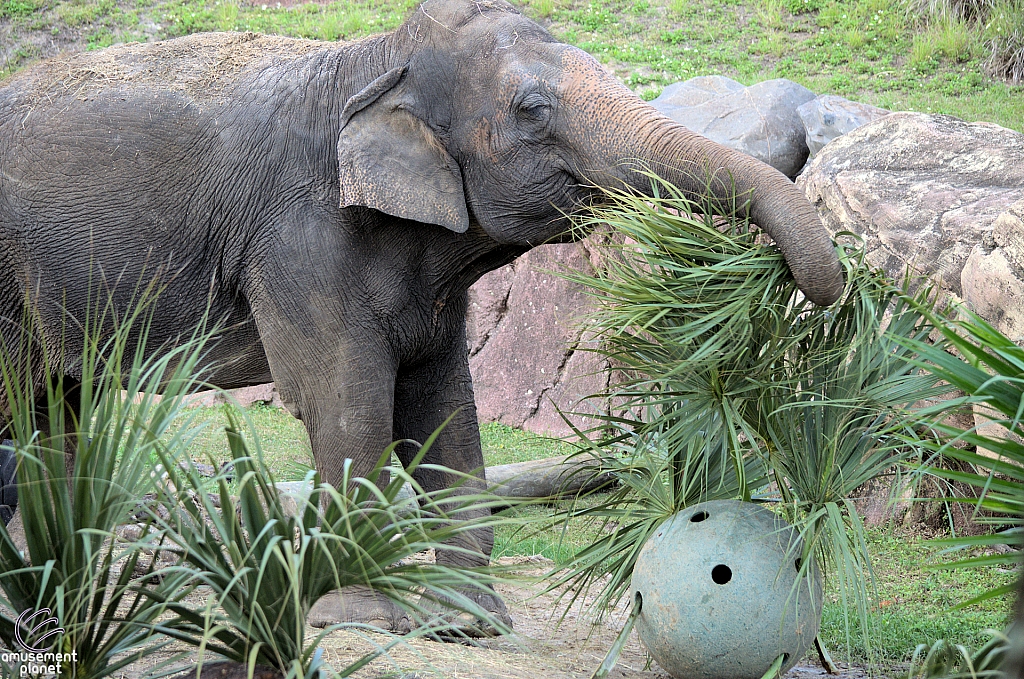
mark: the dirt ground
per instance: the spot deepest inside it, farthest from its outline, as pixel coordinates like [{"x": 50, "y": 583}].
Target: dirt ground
[{"x": 543, "y": 647}]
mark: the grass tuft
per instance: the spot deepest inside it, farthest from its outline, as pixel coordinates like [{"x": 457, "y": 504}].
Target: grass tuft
[
  {"x": 964, "y": 10},
  {"x": 1005, "y": 33}
]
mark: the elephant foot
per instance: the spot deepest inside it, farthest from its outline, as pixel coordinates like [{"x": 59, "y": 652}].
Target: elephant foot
[
  {"x": 8, "y": 482},
  {"x": 359, "y": 604},
  {"x": 231, "y": 670},
  {"x": 452, "y": 624}
]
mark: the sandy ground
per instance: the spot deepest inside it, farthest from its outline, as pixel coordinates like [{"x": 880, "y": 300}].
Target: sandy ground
[{"x": 543, "y": 647}]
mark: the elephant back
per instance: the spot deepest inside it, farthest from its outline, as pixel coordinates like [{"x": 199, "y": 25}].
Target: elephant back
[{"x": 202, "y": 67}]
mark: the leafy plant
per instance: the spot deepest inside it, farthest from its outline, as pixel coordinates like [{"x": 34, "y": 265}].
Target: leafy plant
[
  {"x": 1005, "y": 32},
  {"x": 73, "y": 567},
  {"x": 989, "y": 368},
  {"x": 266, "y": 567},
  {"x": 729, "y": 379},
  {"x": 955, "y": 661}
]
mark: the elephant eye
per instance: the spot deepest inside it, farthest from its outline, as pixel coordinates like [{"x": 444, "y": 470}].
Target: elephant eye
[{"x": 535, "y": 107}]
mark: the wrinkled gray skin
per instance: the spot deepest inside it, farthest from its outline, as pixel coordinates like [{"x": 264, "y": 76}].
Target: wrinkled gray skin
[{"x": 334, "y": 202}]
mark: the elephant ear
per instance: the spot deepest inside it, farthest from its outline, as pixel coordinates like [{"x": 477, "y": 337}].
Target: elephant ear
[{"x": 390, "y": 160}]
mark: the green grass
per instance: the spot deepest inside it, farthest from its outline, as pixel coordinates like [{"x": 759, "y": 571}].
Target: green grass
[
  {"x": 558, "y": 544},
  {"x": 289, "y": 456},
  {"x": 874, "y": 51},
  {"x": 283, "y": 439},
  {"x": 914, "y": 601},
  {"x": 506, "y": 445},
  {"x": 19, "y": 8}
]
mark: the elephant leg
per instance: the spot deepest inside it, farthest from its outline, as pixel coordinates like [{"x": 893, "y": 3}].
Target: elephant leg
[
  {"x": 344, "y": 395},
  {"x": 426, "y": 396},
  {"x": 347, "y": 412},
  {"x": 361, "y": 604},
  {"x": 342, "y": 388}
]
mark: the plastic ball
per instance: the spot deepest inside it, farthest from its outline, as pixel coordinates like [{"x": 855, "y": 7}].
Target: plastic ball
[{"x": 718, "y": 595}]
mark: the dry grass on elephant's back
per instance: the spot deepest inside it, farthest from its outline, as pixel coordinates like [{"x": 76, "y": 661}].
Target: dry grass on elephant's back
[{"x": 199, "y": 66}]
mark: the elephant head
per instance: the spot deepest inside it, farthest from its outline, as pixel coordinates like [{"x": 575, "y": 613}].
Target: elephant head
[{"x": 485, "y": 119}]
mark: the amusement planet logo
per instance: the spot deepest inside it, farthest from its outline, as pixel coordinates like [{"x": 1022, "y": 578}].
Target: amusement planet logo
[{"x": 36, "y": 657}]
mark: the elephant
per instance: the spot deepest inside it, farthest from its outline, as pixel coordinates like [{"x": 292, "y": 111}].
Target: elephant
[{"x": 334, "y": 202}]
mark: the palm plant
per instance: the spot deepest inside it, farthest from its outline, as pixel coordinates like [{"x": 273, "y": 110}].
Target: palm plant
[
  {"x": 730, "y": 380},
  {"x": 989, "y": 368},
  {"x": 71, "y": 565},
  {"x": 955, "y": 661},
  {"x": 265, "y": 567}
]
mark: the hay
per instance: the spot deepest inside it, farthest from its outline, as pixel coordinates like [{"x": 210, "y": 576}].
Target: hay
[
  {"x": 200, "y": 66},
  {"x": 539, "y": 649}
]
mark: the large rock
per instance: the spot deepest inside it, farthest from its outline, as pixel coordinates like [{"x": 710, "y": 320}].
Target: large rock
[
  {"x": 760, "y": 120},
  {"x": 992, "y": 280},
  {"x": 525, "y": 342},
  {"x": 923, "y": 191},
  {"x": 829, "y": 116},
  {"x": 265, "y": 394}
]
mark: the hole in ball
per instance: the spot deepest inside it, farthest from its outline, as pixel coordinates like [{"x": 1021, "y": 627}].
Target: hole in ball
[
  {"x": 721, "y": 574},
  {"x": 799, "y": 562},
  {"x": 698, "y": 517}
]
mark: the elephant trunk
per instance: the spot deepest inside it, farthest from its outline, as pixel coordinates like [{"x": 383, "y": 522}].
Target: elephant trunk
[
  {"x": 702, "y": 169},
  {"x": 741, "y": 185}
]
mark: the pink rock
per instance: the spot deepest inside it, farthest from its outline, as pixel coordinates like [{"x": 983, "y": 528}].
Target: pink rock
[
  {"x": 526, "y": 355},
  {"x": 246, "y": 396}
]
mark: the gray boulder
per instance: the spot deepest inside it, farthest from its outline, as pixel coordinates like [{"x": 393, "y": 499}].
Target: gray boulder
[
  {"x": 992, "y": 279},
  {"x": 759, "y": 120},
  {"x": 830, "y": 116}
]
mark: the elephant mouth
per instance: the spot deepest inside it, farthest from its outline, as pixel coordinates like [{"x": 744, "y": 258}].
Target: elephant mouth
[{"x": 541, "y": 213}]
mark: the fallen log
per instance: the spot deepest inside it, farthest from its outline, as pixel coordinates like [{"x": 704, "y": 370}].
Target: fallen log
[{"x": 551, "y": 477}]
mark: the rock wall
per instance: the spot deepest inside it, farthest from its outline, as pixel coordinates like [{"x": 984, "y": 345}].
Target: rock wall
[{"x": 527, "y": 349}]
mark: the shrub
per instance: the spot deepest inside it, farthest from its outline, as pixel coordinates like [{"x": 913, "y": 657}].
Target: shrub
[
  {"x": 72, "y": 565},
  {"x": 730, "y": 379}
]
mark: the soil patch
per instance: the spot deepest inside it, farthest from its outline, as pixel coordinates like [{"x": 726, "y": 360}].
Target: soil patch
[
  {"x": 546, "y": 645},
  {"x": 198, "y": 65}
]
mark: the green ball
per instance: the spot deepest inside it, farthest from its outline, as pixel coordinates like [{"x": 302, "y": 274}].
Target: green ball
[{"x": 719, "y": 601}]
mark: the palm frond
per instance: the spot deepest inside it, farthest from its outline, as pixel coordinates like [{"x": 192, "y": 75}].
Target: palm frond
[
  {"x": 728, "y": 379},
  {"x": 989, "y": 368},
  {"x": 73, "y": 564},
  {"x": 266, "y": 568}
]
